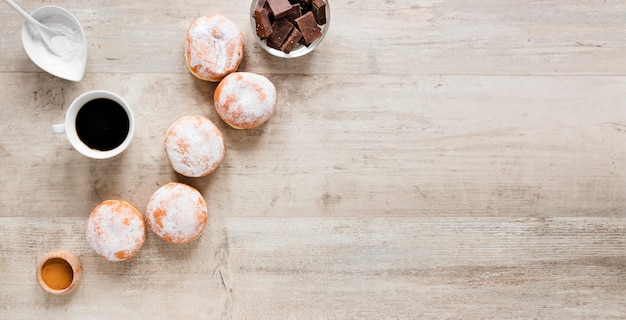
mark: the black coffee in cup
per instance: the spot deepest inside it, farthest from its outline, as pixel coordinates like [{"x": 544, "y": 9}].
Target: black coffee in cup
[{"x": 102, "y": 124}]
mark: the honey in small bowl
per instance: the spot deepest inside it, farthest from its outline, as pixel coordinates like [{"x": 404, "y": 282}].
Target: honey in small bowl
[{"x": 59, "y": 272}]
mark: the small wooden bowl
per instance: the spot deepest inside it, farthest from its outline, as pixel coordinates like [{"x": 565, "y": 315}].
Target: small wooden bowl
[{"x": 59, "y": 272}]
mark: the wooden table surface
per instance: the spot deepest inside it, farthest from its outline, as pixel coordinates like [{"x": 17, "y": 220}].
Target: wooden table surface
[{"x": 431, "y": 159}]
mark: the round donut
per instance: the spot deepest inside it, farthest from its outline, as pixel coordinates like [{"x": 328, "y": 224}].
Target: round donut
[
  {"x": 213, "y": 47},
  {"x": 115, "y": 230},
  {"x": 177, "y": 213},
  {"x": 194, "y": 146},
  {"x": 245, "y": 100}
]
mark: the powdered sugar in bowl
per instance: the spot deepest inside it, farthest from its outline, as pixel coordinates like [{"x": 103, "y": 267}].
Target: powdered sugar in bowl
[{"x": 70, "y": 65}]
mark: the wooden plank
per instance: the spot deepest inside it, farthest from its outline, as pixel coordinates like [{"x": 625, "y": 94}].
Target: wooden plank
[
  {"x": 440, "y": 159},
  {"x": 372, "y": 146},
  {"x": 333, "y": 268},
  {"x": 392, "y": 37}
]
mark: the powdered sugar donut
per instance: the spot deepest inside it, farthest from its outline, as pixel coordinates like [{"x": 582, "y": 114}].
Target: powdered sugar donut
[
  {"x": 177, "y": 213},
  {"x": 194, "y": 146},
  {"x": 214, "y": 47},
  {"x": 115, "y": 230},
  {"x": 245, "y": 100}
]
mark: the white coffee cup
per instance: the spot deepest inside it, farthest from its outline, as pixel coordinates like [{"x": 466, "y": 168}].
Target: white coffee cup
[{"x": 104, "y": 138}]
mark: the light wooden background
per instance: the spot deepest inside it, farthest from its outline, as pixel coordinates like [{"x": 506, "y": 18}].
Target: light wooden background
[{"x": 430, "y": 160}]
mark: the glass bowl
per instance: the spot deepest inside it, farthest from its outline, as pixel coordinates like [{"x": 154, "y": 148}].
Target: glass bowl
[{"x": 299, "y": 49}]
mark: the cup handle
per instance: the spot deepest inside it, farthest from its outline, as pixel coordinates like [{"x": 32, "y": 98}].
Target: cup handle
[{"x": 58, "y": 128}]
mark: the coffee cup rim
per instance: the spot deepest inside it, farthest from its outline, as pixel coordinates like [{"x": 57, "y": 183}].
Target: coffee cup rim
[{"x": 70, "y": 125}]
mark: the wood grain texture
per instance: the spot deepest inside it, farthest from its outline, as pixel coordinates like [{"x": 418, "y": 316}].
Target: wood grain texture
[
  {"x": 334, "y": 268},
  {"x": 386, "y": 37},
  {"x": 453, "y": 145},
  {"x": 430, "y": 160}
]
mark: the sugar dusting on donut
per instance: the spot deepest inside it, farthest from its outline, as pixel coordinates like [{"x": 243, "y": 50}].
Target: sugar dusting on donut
[
  {"x": 214, "y": 47},
  {"x": 115, "y": 230},
  {"x": 245, "y": 100},
  {"x": 177, "y": 213},
  {"x": 194, "y": 146}
]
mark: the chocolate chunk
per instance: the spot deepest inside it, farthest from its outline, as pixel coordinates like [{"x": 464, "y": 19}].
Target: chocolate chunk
[
  {"x": 319, "y": 11},
  {"x": 272, "y": 45},
  {"x": 301, "y": 41},
  {"x": 263, "y": 24},
  {"x": 305, "y": 7},
  {"x": 281, "y": 30},
  {"x": 292, "y": 40},
  {"x": 279, "y": 7},
  {"x": 260, "y": 4},
  {"x": 293, "y": 13},
  {"x": 309, "y": 28}
]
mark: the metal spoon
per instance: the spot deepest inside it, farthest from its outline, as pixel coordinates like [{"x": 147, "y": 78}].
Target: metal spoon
[{"x": 45, "y": 33}]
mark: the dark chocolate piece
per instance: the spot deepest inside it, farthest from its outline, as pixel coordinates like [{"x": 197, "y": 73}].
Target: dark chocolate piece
[
  {"x": 260, "y": 4},
  {"x": 282, "y": 28},
  {"x": 272, "y": 45},
  {"x": 263, "y": 24},
  {"x": 292, "y": 40},
  {"x": 309, "y": 28},
  {"x": 270, "y": 14},
  {"x": 301, "y": 41},
  {"x": 279, "y": 7},
  {"x": 293, "y": 13},
  {"x": 305, "y": 7},
  {"x": 319, "y": 11}
]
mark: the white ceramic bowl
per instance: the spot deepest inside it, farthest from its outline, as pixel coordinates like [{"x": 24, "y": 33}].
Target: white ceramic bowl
[
  {"x": 70, "y": 66},
  {"x": 299, "y": 50}
]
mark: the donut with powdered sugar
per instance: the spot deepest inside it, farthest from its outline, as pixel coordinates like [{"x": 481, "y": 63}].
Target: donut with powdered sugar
[
  {"x": 194, "y": 146},
  {"x": 214, "y": 47},
  {"x": 177, "y": 213},
  {"x": 115, "y": 230},
  {"x": 245, "y": 100}
]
